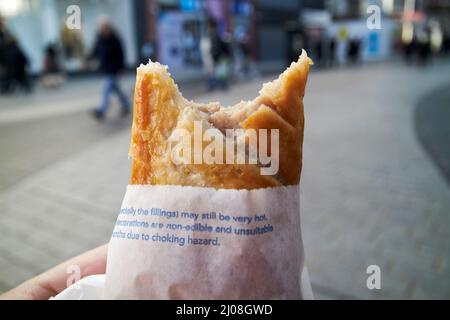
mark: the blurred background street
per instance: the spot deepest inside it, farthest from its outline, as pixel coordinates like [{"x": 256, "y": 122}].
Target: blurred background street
[{"x": 376, "y": 177}]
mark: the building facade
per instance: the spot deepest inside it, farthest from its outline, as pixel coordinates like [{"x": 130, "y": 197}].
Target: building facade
[
  {"x": 344, "y": 23},
  {"x": 166, "y": 30},
  {"x": 171, "y": 30}
]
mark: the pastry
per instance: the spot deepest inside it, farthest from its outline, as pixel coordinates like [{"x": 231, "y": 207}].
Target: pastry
[{"x": 160, "y": 110}]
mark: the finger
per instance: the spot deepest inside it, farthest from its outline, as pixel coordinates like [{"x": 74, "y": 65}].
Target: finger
[{"x": 54, "y": 281}]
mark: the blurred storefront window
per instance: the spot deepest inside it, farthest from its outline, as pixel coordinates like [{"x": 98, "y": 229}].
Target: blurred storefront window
[
  {"x": 179, "y": 35},
  {"x": 344, "y": 9},
  {"x": 182, "y": 24},
  {"x": 278, "y": 32}
]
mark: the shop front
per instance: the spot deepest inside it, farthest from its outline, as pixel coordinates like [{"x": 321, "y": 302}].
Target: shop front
[{"x": 181, "y": 25}]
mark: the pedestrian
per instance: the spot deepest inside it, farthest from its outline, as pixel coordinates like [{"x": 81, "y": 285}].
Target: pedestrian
[
  {"x": 109, "y": 52},
  {"x": 13, "y": 63},
  {"x": 15, "y": 66},
  {"x": 53, "y": 76},
  {"x": 332, "y": 52},
  {"x": 353, "y": 51},
  {"x": 408, "y": 51},
  {"x": 319, "y": 51},
  {"x": 207, "y": 59},
  {"x": 221, "y": 58},
  {"x": 3, "y": 35},
  {"x": 423, "y": 46},
  {"x": 242, "y": 59}
]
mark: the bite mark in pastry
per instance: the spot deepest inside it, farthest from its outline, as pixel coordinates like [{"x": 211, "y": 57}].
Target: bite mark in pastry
[{"x": 160, "y": 109}]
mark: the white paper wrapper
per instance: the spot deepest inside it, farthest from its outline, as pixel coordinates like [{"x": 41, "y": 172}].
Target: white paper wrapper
[
  {"x": 89, "y": 288},
  {"x": 173, "y": 242},
  {"x": 93, "y": 287}
]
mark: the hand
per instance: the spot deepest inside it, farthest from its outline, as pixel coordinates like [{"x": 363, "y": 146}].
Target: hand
[{"x": 54, "y": 281}]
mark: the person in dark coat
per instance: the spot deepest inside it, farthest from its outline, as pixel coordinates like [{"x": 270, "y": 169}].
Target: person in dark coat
[
  {"x": 3, "y": 85},
  {"x": 51, "y": 61},
  {"x": 14, "y": 62},
  {"x": 353, "y": 52},
  {"x": 332, "y": 52},
  {"x": 109, "y": 52}
]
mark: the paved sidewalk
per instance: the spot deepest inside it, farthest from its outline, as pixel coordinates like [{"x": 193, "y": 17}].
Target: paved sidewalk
[
  {"x": 370, "y": 193},
  {"x": 432, "y": 120},
  {"x": 61, "y": 121},
  {"x": 74, "y": 96},
  {"x": 79, "y": 94}
]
